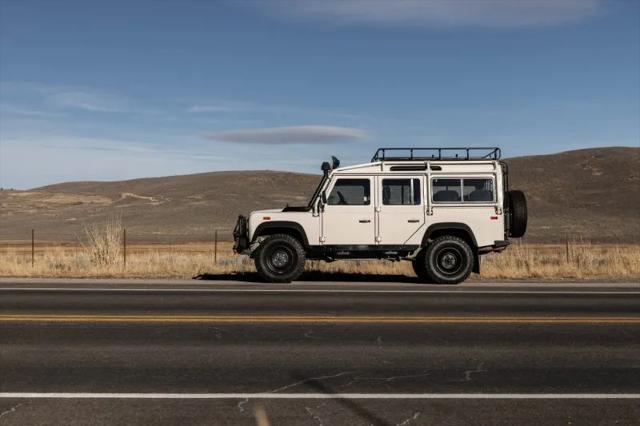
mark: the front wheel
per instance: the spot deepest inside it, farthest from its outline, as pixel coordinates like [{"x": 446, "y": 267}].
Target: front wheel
[
  {"x": 449, "y": 260},
  {"x": 280, "y": 259}
]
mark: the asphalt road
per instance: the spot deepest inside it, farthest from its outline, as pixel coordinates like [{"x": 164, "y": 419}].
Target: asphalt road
[{"x": 172, "y": 352}]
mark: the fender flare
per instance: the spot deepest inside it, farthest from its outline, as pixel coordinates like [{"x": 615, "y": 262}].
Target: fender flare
[
  {"x": 284, "y": 225},
  {"x": 448, "y": 225}
]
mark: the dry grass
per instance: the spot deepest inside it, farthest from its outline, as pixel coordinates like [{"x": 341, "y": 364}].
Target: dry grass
[
  {"x": 577, "y": 261},
  {"x": 104, "y": 242}
]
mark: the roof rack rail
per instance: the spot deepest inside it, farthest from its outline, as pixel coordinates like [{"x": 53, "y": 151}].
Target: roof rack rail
[{"x": 437, "y": 153}]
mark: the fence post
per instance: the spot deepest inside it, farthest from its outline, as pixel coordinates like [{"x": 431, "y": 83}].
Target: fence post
[
  {"x": 566, "y": 244},
  {"x": 124, "y": 247},
  {"x": 33, "y": 247},
  {"x": 215, "y": 247}
]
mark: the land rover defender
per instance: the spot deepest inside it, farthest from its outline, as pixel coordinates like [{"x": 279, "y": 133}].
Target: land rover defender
[{"x": 440, "y": 208}]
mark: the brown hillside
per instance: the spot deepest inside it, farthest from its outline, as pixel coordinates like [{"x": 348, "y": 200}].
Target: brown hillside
[
  {"x": 592, "y": 194},
  {"x": 173, "y": 208}
]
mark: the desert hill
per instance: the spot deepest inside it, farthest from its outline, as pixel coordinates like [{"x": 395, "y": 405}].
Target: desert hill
[{"x": 590, "y": 194}]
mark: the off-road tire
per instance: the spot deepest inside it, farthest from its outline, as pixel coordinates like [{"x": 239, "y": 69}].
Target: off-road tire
[
  {"x": 449, "y": 260},
  {"x": 517, "y": 213},
  {"x": 280, "y": 258},
  {"x": 420, "y": 267}
]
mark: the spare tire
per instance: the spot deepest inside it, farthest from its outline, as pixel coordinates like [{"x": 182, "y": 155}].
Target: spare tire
[{"x": 517, "y": 213}]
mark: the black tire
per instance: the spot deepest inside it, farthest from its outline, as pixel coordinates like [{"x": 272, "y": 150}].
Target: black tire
[
  {"x": 280, "y": 259},
  {"x": 517, "y": 213},
  {"x": 420, "y": 267},
  {"x": 449, "y": 260}
]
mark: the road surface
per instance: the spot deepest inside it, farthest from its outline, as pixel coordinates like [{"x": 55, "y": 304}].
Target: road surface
[{"x": 81, "y": 352}]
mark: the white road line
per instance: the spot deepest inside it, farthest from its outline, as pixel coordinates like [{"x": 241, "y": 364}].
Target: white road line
[
  {"x": 90, "y": 395},
  {"x": 231, "y": 290}
]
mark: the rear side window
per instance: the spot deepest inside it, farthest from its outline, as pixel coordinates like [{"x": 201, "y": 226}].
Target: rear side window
[
  {"x": 350, "y": 192},
  {"x": 397, "y": 192},
  {"x": 447, "y": 190},
  {"x": 478, "y": 190},
  {"x": 469, "y": 190}
]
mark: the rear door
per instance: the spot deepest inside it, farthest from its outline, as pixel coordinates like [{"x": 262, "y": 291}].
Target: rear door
[
  {"x": 347, "y": 218},
  {"x": 401, "y": 211}
]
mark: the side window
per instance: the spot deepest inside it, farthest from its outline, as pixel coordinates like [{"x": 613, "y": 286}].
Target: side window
[
  {"x": 478, "y": 190},
  {"x": 447, "y": 190},
  {"x": 397, "y": 192},
  {"x": 350, "y": 192},
  {"x": 469, "y": 190}
]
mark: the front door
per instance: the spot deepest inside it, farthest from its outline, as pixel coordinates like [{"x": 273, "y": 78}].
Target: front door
[
  {"x": 348, "y": 217},
  {"x": 401, "y": 209}
]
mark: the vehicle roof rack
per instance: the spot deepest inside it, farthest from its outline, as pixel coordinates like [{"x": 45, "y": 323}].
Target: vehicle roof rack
[{"x": 437, "y": 154}]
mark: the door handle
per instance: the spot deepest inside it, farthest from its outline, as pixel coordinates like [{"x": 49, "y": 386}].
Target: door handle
[
  {"x": 413, "y": 220},
  {"x": 364, "y": 221}
]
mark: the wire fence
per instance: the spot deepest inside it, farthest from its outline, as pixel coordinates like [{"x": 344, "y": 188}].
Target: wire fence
[{"x": 217, "y": 243}]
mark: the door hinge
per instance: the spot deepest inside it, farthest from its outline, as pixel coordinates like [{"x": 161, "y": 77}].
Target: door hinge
[
  {"x": 378, "y": 239},
  {"x": 323, "y": 239},
  {"x": 430, "y": 211}
]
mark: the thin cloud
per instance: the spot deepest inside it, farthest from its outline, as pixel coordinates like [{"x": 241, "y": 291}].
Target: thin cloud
[
  {"x": 18, "y": 110},
  {"x": 441, "y": 13},
  {"x": 290, "y": 135},
  {"x": 89, "y": 100},
  {"x": 217, "y": 108},
  {"x": 71, "y": 97}
]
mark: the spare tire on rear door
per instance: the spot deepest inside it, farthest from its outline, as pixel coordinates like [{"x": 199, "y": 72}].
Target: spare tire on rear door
[{"x": 517, "y": 204}]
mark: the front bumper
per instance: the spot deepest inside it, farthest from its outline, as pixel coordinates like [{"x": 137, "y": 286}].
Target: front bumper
[{"x": 241, "y": 235}]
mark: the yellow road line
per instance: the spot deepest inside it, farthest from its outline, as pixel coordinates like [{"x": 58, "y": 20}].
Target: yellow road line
[{"x": 322, "y": 319}]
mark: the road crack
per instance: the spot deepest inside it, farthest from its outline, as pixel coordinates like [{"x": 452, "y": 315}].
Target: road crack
[
  {"x": 478, "y": 369},
  {"x": 11, "y": 410},
  {"x": 300, "y": 382},
  {"x": 314, "y": 416},
  {"x": 241, "y": 405},
  {"x": 409, "y": 420}
]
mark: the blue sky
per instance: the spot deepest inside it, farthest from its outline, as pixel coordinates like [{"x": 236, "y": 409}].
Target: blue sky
[{"x": 106, "y": 90}]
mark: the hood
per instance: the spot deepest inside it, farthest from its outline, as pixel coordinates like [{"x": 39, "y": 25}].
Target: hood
[{"x": 266, "y": 211}]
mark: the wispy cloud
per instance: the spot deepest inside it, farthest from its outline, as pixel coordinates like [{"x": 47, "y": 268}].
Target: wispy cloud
[
  {"x": 88, "y": 100},
  {"x": 71, "y": 97},
  {"x": 219, "y": 107},
  {"x": 441, "y": 13},
  {"x": 57, "y": 158},
  {"x": 19, "y": 110},
  {"x": 290, "y": 135}
]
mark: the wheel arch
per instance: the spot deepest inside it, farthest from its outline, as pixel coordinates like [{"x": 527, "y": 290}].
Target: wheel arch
[
  {"x": 457, "y": 229},
  {"x": 282, "y": 227}
]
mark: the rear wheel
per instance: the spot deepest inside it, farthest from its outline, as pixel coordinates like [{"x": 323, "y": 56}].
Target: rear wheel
[
  {"x": 280, "y": 258},
  {"x": 449, "y": 260}
]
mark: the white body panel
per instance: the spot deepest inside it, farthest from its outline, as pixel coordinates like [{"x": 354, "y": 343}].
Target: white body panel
[
  {"x": 348, "y": 225},
  {"x": 309, "y": 222},
  {"x": 380, "y": 224}
]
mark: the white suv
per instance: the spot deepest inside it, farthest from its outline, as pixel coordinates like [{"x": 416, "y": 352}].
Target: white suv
[{"x": 440, "y": 208}]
